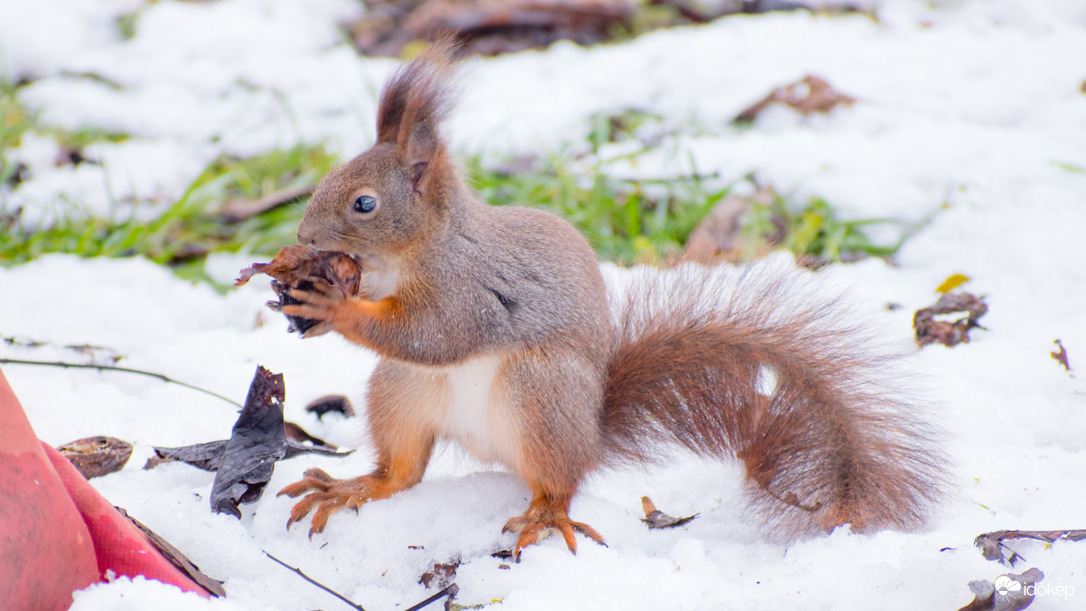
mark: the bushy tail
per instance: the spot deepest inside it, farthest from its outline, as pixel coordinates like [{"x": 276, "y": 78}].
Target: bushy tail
[{"x": 756, "y": 365}]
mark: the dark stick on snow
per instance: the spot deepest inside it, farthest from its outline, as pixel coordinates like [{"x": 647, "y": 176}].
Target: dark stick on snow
[
  {"x": 449, "y": 591},
  {"x": 316, "y": 583},
  {"x": 158, "y": 376}
]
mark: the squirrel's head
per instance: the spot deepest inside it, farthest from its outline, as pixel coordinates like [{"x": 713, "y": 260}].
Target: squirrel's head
[{"x": 395, "y": 194}]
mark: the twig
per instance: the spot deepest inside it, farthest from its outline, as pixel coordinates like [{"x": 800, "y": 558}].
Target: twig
[
  {"x": 450, "y": 591},
  {"x": 159, "y": 376},
  {"x": 317, "y": 583},
  {"x": 239, "y": 210}
]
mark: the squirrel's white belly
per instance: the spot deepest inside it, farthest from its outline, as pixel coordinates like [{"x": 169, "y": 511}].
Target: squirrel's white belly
[{"x": 476, "y": 414}]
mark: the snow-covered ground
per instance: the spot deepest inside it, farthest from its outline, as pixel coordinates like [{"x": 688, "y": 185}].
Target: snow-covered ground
[{"x": 970, "y": 112}]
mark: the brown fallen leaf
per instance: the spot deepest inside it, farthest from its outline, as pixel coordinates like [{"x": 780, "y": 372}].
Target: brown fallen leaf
[
  {"x": 297, "y": 263},
  {"x": 486, "y": 27},
  {"x": 720, "y": 233},
  {"x": 297, "y": 267},
  {"x": 809, "y": 95},
  {"x": 97, "y": 456},
  {"x": 658, "y": 519},
  {"x": 1061, "y": 355},
  {"x": 300, "y": 436},
  {"x": 930, "y": 330},
  {"x": 1007, "y": 592},
  {"x": 330, "y": 403},
  {"x": 991, "y": 544},
  {"x": 440, "y": 576}
]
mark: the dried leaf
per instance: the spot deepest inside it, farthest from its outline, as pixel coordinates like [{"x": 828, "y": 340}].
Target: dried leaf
[
  {"x": 720, "y": 233},
  {"x": 930, "y": 330},
  {"x": 1061, "y": 355},
  {"x": 297, "y": 267},
  {"x": 991, "y": 544},
  {"x": 810, "y": 95},
  {"x": 297, "y": 435},
  {"x": 485, "y": 27},
  {"x": 295, "y": 264},
  {"x": 323, "y": 448},
  {"x": 256, "y": 442},
  {"x": 97, "y": 456},
  {"x": 330, "y": 403},
  {"x": 440, "y": 576},
  {"x": 952, "y": 283},
  {"x": 658, "y": 519},
  {"x": 208, "y": 456},
  {"x": 1008, "y": 592}
]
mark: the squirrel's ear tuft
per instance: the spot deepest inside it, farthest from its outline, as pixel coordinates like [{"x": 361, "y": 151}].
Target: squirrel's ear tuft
[{"x": 414, "y": 102}]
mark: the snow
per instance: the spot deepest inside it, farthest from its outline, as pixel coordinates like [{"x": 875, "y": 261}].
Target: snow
[{"x": 969, "y": 113}]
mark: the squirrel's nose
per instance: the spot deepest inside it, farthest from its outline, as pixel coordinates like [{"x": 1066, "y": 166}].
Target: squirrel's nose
[{"x": 304, "y": 238}]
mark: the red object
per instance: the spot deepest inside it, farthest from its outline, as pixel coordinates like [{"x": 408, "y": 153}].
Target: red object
[{"x": 57, "y": 534}]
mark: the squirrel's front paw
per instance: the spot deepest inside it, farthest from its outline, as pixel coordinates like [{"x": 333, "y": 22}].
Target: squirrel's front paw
[
  {"x": 312, "y": 308},
  {"x": 327, "y": 494}
]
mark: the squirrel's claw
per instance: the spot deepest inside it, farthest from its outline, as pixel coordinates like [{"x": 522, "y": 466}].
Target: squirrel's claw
[
  {"x": 325, "y": 494},
  {"x": 534, "y": 528}
]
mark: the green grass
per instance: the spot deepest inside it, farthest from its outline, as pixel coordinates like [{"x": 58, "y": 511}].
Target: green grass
[
  {"x": 649, "y": 221},
  {"x": 813, "y": 232},
  {"x": 15, "y": 120},
  {"x": 191, "y": 227},
  {"x": 626, "y": 220}
]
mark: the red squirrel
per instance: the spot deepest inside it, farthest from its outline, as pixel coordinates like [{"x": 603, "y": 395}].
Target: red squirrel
[{"x": 494, "y": 330}]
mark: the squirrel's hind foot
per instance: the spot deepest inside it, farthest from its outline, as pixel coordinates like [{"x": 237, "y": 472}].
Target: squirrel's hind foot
[{"x": 546, "y": 516}]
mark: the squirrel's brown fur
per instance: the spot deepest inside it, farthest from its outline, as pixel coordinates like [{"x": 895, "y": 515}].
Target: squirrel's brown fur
[{"x": 495, "y": 330}]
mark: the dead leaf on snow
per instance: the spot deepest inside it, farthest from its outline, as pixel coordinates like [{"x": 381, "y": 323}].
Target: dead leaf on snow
[
  {"x": 810, "y": 95},
  {"x": 1061, "y": 355},
  {"x": 1007, "y": 592},
  {"x": 658, "y": 519},
  {"x": 991, "y": 544},
  {"x": 256, "y": 442},
  {"x": 440, "y": 576},
  {"x": 208, "y": 456},
  {"x": 97, "y": 456},
  {"x": 330, "y": 403},
  {"x": 932, "y": 330}
]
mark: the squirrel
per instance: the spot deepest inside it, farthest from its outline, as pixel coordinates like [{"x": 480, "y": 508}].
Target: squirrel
[{"x": 494, "y": 329}]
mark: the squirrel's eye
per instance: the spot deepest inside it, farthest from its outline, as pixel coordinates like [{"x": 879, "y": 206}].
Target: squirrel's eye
[{"x": 365, "y": 203}]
